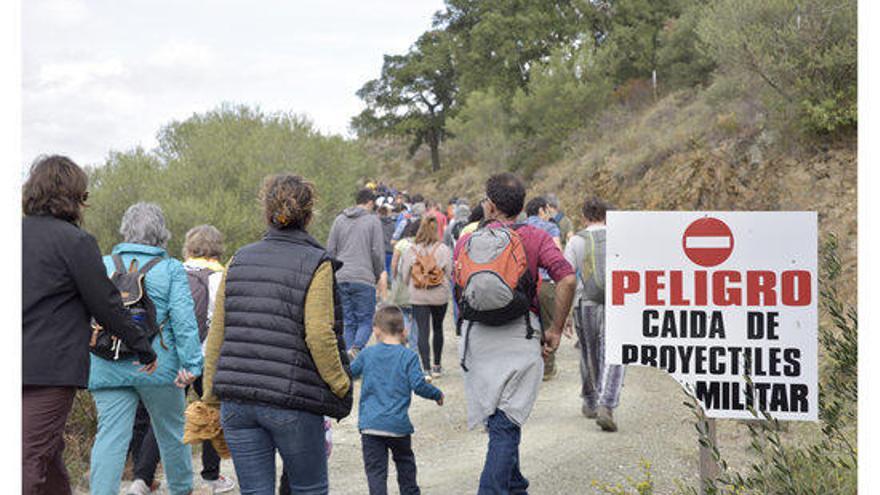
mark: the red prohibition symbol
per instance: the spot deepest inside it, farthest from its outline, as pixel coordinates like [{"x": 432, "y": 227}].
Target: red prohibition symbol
[{"x": 707, "y": 242}]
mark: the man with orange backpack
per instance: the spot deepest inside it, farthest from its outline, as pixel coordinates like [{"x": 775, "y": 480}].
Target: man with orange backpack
[{"x": 496, "y": 276}]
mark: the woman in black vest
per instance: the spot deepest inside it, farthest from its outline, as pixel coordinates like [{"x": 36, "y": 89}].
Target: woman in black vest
[{"x": 275, "y": 354}]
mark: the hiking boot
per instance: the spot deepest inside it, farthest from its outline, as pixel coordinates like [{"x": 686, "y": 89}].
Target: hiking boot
[
  {"x": 588, "y": 412},
  {"x": 605, "y": 419},
  {"x": 221, "y": 485},
  {"x": 436, "y": 371},
  {"x": 138, "y": 487}
]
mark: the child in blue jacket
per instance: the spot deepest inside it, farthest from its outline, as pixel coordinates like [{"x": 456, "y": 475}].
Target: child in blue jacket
[{"x": 391, "y": 372}]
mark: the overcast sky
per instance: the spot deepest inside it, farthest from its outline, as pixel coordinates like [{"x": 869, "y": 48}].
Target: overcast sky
[{"x": 106, "y": 74}]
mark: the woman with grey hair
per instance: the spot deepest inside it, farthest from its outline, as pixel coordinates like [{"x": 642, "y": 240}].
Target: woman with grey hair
[
  {"x": 202, "y": 250},
  {"x": 117, "y": 387}
]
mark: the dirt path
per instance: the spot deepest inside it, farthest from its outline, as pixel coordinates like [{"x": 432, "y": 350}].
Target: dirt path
[{"x": 561, "y": 452}]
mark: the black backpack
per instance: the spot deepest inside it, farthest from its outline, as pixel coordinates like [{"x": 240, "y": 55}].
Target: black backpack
[
  {"x": 198, "y": 286},
  {"x": 139, "y": 305}
]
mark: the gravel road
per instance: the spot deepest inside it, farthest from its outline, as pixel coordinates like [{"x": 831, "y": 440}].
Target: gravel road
[{"x": 561, "y": 452}]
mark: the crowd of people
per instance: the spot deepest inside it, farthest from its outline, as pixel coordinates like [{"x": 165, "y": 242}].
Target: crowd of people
[{"x": 273, "y": 340}]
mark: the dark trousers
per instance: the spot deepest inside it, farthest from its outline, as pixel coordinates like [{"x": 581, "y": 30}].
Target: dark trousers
[
  {"x": 375, "y": 449},
  {"x": 145, "y": 450},
  {"x": 501, "y": 474},
  {"x": 425, "y": 316},
  {"x": 44, "y": 413}
]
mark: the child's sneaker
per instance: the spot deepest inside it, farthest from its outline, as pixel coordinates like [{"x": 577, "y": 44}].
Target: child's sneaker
[
  {"x": 221, "y": 485},
  {"x": 138, "y": 487},
  {"x": 436, "y": 371}
]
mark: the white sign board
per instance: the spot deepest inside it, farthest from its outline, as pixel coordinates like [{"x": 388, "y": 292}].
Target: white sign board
[{"x": 713, "y": 296}]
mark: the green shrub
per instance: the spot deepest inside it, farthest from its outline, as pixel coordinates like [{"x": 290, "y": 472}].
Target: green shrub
[
  {"x": 803, "y": 50},
  {"x": 683, "y": 59},
  {"x": 566, "y": 93},
  {"x": 79, "y": 435},
  {"x": 482, "y": 131},
  {"x": 209, "y": 168}
]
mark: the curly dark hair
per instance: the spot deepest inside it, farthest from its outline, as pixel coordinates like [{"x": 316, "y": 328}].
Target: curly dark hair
[
  {"x": 507, "y": 192},
  {"x": 288, "y": 200},
  {"x": 55, "y": 186},
  {"x": 594, "y": 209}
]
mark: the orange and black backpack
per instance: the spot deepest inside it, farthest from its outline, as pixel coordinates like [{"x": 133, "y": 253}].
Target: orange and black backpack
[{"x": 493, "y": 284}]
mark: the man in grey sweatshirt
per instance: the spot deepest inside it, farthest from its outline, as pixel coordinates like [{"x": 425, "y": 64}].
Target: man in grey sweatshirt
[{"x": 356, "y": 239}]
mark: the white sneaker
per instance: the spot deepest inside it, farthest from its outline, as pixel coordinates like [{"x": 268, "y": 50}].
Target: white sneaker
[
  {"x": 138, "y": 487},
  {"x": 221, "y": 484}
]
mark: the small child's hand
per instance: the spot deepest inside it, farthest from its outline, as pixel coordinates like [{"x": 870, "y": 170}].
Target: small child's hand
[{"x": 440, "y": 400}]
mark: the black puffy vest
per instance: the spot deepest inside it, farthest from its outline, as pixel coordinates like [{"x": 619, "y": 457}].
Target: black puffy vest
[{"x": 264, "y": 358}]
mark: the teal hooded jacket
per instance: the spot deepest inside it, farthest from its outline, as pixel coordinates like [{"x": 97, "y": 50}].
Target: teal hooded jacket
[{"x": 168, "y": 287}]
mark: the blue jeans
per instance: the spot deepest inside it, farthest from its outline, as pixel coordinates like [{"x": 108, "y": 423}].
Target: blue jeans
[
  {"x": 254, "y": 432},
  {"x": 116, "y": 413},
  {"x": 388, "y": 257},
  {"x": 358, "y": 307},
  {"x": 501, "y": 475}
]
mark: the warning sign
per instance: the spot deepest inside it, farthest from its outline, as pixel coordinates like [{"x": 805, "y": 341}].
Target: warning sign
[
  {"x": 707, "y": 241},
  {"x": 713, "y": 297}
]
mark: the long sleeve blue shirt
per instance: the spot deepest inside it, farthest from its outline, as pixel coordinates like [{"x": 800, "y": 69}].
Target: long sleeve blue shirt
[
  {"x": 168, "y": 288},
  {"x": 390, "y": 374}
]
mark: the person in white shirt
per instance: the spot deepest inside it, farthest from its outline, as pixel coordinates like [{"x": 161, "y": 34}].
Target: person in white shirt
[{"x": 601, "y": 383}]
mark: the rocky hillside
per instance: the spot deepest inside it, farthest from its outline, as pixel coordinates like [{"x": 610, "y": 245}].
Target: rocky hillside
[{"x": 687, "y": 153}]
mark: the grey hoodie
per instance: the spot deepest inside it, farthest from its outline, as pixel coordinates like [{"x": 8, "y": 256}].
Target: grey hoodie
[{"x": 356, "y": 239}]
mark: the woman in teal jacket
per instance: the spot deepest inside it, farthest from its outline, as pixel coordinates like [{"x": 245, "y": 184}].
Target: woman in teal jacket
[{"x": 117, "y": 386}]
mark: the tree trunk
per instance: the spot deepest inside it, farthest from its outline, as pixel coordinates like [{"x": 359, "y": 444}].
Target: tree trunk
[{"x": 434, "y": 143}]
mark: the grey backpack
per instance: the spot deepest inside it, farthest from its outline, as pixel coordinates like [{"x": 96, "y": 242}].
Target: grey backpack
[
  {"x": 592, "y": 271},
  {"x": 493, "y": 284}
]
